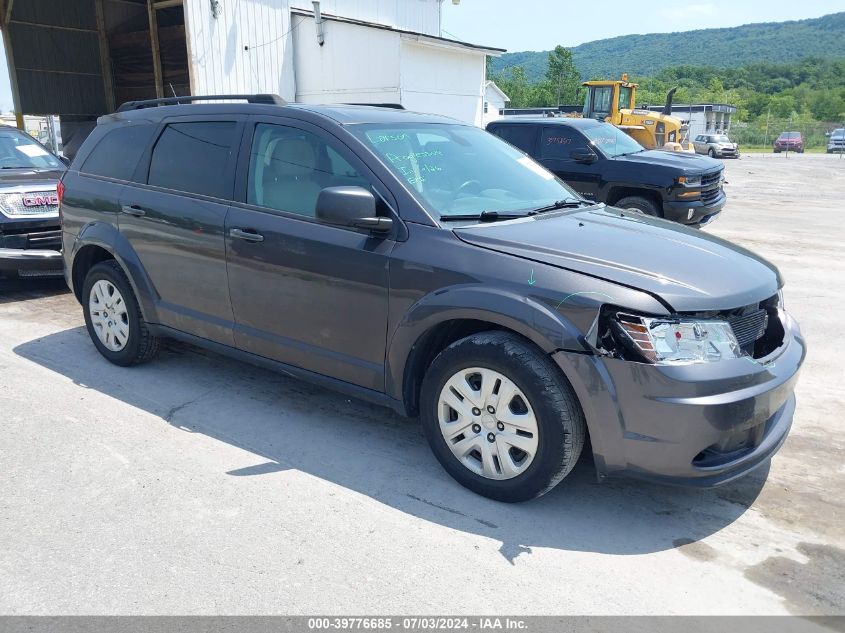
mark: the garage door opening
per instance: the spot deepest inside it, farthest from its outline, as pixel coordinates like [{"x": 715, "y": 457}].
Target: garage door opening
[
  {"x": 147, "y": 49},
  {"x": 84, "y": 58}
]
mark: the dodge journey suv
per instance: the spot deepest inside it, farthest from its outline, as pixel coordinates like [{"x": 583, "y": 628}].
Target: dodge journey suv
[{"x": 429, "y": 266}]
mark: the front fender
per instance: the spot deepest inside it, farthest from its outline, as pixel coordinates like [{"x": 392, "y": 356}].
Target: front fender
[
  {"x": 548, "y": 329},
  {"x": 107, "y": 236}
]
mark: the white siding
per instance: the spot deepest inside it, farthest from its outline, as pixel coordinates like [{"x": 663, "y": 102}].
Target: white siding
[
  {"x": 422, "y": 16},
  {"x": 220, "y": 63},
  {"x": 442, "y": 80},
  {"x": 356, "y": 64}
]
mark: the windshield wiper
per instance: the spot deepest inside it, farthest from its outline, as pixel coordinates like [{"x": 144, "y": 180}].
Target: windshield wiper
[
  {"x": 484, "y": 216},
  {"x": 568, "y": 203}
]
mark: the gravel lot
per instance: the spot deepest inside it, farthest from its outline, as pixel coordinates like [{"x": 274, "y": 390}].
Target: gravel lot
[{"x": 198, "y": 485}]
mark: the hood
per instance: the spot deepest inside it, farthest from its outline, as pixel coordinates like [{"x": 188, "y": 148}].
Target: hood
[
  {"x": 34, "y": 179},
  {"x": 688, "y": 269},
  {"x": 686, "y": 162}
]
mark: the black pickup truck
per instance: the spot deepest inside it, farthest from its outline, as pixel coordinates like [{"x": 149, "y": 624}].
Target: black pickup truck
[{"x": 604, "y": 164}]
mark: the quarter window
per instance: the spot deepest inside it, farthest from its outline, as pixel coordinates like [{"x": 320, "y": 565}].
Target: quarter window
[
  {"x": 118, "y": 152},
  {"x": 289, "y": 167},
  {"x": 194, "y": 157},
  {"x": 520, "y": 136}
]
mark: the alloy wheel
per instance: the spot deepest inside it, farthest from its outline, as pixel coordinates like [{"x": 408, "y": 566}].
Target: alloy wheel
[{"x": 488, "y": 423}]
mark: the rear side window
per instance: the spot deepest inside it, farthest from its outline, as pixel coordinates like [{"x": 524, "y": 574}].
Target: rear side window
[
  {"x": 193, "y": 157},
  {"x": 558, "y": 142},
  {"x": 520, "y": 136},
  {"x": 118, "y": 152}
]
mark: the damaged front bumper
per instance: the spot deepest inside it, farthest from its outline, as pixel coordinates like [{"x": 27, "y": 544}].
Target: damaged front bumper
[{"x": 696, "y": 424}]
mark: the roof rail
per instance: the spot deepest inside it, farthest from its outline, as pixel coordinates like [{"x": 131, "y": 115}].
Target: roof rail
[
  {"x": 394, "y": 106},
  {"x": 267, "y": 99}
]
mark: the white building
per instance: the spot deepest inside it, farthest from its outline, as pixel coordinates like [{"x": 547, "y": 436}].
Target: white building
[
  {"x": 495, "y": 101},
  {"x": 703, "y": 118},
  {"x": 85, "y": 62}
]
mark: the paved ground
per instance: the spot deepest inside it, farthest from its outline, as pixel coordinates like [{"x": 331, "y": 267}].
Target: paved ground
[{"x": 199, "y": 485}]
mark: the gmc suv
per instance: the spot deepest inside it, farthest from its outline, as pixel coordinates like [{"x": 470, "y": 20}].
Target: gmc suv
[
  {"x": 604, "y": 164},
  {"x": 30, "y": 236},
  {"x": 428, "y": 266}
]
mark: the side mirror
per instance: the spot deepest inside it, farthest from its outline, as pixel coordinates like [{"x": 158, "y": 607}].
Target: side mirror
[
  {"x": 583, "y": 155},
  {"x": 350, "y": 206}
]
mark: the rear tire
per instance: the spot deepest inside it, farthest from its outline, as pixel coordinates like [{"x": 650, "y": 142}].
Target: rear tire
[
  {"x": 522, "y": 371},
  {"x": 640, "y": 204},
  {"x": 129, "y": 341}
]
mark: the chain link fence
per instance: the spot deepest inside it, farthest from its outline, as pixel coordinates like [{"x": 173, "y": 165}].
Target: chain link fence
[{"x": 762, "y": 133}]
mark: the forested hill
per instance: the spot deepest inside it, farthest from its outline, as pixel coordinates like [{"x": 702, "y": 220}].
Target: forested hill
[{"x": 773, "y": 42}]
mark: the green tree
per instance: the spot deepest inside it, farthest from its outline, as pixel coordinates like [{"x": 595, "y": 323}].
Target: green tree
[{"x": 562, "y": 75}]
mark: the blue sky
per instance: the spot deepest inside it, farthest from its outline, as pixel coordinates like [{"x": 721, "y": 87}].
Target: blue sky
[{"x": 542, "y": 24}]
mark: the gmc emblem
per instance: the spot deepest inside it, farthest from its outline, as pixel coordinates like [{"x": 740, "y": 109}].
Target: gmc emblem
[{"x": 40, "y": 200}]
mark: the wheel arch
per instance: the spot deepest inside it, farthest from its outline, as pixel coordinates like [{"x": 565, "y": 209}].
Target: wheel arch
[
  {"x": 442, "y": 318},
  {"x": 619, "y": 192},
  {"x": 101, "y": 241}
]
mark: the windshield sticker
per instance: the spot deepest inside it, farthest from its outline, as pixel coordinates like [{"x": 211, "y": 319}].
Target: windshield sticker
[
  {"x": 604, "y": 140},
  {"x": 532, "y": 166},
  {"x": 558, "y": 140},
  {"x": 377, "y": 139},
  {"x": 31, "y": 150}
]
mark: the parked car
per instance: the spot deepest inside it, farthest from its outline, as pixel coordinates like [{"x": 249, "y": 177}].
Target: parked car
[
  {"x": 789, "y": 142},
  {"x": 30, "y": 237},
  {"x": 836, "y": 141},
  {"x": 716, "y": 146},
  {"x": 604, "y": 164},
  {"x": 425, "y": 265}
]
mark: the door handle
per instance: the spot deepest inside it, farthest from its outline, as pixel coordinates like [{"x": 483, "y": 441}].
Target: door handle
[
  {"x": 248, "y": 235},
  {"x": 133, "y": 209}
]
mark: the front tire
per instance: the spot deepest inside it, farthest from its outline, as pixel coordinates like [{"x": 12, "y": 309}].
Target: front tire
[
  {"x": 113, "y": 317},
  {"x": 501, "y": 417},
  {"x": 638, "y": 204},
  {"x": 712, "y": 153}
]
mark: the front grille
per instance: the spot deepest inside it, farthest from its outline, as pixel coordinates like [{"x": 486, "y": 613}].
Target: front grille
[
  {"x": 711, "y": 179},
  {"x": 12, "y": 204},
  {"x": 708, "y": 197},
  {"x": 749, "y": 326},
  {"x": 33, "y": 239}
]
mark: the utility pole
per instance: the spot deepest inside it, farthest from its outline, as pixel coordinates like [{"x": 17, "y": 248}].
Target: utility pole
[{"x": 766, "y": 137}]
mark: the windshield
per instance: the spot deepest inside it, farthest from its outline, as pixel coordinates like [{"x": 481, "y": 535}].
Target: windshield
[
  {"x": 721, "y": 138},
  {"x": 460, "y": 170},
  {"x": 625, "y": 97},
  {"x": 611, "y": 140},
  {"x": 791, "y": 135},
  {"x": 19, "y": 151}
]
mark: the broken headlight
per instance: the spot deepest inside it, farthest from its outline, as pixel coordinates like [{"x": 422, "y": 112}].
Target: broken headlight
[{"x": 667, "y": 340}]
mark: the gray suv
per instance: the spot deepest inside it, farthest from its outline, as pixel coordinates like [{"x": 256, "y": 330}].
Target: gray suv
[
  {"x": 430, "y": 267},
  {"x": 716, "y": 146}
]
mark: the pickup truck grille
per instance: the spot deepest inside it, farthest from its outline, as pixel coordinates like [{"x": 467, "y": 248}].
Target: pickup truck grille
[
  {"x": 708, "y": 197},
  {"x": 32, "y": 239},
  {"x": 708, "y": 180},
  {"x": 38, "y": 203}
]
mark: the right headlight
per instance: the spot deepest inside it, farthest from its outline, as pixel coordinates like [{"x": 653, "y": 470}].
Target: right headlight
[{"x": 666, "y": 340}]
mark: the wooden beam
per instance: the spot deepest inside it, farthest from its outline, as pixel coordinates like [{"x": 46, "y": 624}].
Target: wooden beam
[
  {"x": 105, "y": 57},
  {"x": 8, "y": 16},
  {"x": 166, "y": 4},
  {"x": 13, "y": 71},
  {"x": 159, "y": 85}
]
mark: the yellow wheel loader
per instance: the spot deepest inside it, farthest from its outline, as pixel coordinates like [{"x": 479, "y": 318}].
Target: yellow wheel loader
[{"x": 616, "y": 103}]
